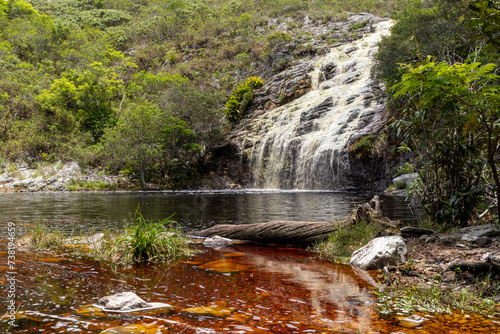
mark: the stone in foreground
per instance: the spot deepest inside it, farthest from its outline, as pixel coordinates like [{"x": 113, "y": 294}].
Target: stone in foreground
[
  {"x": 217, "y": 241},
  {"x": 380, "y": 252},
  {"x": 123, "y": 301},
  {"x": 130, "y": 303},
  {"x": 489, "y": 230}
]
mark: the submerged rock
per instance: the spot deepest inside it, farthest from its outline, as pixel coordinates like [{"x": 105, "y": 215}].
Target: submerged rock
[
  {"x": 91, "y": 311},
  {"x": 380, "y": 252},
  {"x": 155, "y": 309},
  {"x": 211, "y": 311},
  {"x": 217, "y": 241},
  {"x": 136, "y": 329},
  {"x": 411, "y": 322},
  {"x": 228, "y": 265}
]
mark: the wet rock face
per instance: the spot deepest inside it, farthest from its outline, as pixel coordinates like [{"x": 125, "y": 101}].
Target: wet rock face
[
  {"x": 283, "y": 87},
  {"x": 298, "y": 137}
]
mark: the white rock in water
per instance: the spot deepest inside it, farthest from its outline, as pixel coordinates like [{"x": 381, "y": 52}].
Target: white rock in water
[
  {"x": 411, "y": 322},
  {"x": 124, "y": 301},
  {"x": 217, "y": 241},
  {"x": 380, "y": 252}
]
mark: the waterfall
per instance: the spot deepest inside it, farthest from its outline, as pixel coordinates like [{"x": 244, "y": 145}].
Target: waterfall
[{"x": 304, "y": 144}]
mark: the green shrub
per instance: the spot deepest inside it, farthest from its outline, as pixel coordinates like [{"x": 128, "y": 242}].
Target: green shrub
[
  {"x": 358, "y": 25},
  {"x": 362, "y": 147},
  {"x": 241, "y": 98}
]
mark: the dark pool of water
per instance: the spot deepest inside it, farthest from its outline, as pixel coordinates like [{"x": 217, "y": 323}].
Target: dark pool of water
[
  {"x": 280, "y": 290},
  {"x": 84, "y": 211}
]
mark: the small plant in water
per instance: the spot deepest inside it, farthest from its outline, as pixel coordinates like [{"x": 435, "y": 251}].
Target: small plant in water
[
  {"x": 42, "y": 238},
  {"x": 150, "y": 241}
]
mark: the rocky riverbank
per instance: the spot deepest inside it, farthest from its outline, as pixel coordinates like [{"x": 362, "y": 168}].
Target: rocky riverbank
[
  {"x": 57, "y": 177},
  {"x": 439, "y": 273}
]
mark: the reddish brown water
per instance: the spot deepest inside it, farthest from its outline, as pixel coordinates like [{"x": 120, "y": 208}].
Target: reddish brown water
[{"x": 280, "y": 290}]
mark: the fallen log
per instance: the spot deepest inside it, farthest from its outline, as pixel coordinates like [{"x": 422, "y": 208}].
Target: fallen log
[
  {"x": 293, "y": 232},
  {"x": 474, "y": 267}
]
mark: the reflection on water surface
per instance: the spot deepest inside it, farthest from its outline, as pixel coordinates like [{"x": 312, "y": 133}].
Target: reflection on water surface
[{"x": 81, "y": 212}]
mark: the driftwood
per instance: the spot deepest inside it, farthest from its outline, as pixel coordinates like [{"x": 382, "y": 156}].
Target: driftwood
[
  {"x": 475, "y": 267},
  {"x": 293, "y": 232}
]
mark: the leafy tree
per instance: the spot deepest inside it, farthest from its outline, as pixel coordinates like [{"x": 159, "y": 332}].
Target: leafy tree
[
  {"x": 148, "y": 141},
  {"x": 93, "y": 95},
  {"x": 452, "y": 121},
  {"x": 201, "y": 109},
  {"x": 486, "y": 22},
  {"x": 425, "y": 27}
]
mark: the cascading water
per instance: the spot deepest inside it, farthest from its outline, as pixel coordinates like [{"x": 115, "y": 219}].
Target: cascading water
[{"x": 304, "y": 144}]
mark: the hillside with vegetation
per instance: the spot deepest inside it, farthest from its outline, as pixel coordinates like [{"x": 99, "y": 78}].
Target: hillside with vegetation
[
  {"x": 148, "y": 89},
  {"x": 139, "y": 87}
]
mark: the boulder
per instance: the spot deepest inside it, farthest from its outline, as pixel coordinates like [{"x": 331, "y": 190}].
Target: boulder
[
  {"x": 123, "y": 301},
  {"x": 130, "y": 303},
  {"x": 488, "y": 230},
  {"x": 380, "y": 252},
  {"x": 407, "y": 179}
]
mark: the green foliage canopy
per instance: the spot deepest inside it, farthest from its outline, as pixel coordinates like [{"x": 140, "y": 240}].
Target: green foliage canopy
[{"x": 452, "y": 121}]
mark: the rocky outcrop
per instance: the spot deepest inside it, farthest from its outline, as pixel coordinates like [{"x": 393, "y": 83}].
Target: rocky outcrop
[
  {"x": 55, "y": 177},
  {"x": 380, "y": 252},
  {"x": 299, "y": 129}
]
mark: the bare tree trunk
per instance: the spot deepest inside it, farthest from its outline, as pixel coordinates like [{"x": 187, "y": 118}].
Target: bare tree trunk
[{"x": 293, "y": 232}]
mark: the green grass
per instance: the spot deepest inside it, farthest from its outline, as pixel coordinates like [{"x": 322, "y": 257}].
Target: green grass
[
  {"x": 142, "y": 241},
  {"x": 150, "y": 241},
  {"x": 79, "y": 185},
  {"x": 42, "y": 238},
  {"x": 346, "y": 240},
  {"x": 434, "y": 299}
]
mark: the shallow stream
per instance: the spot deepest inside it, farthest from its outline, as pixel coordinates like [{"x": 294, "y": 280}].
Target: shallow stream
[{"x": 272, "y": 289}]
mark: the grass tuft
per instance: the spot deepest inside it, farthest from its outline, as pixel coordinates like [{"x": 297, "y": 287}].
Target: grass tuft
[
  {"x": 346, "y": 240},
  {"x": 42, "y": 238},
  {"x": 433, "y": 299},
  {"x": 150, "y": 241},
  {"x": 142, "y": 241}
]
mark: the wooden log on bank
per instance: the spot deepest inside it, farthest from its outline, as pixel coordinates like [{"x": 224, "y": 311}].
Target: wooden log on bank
[{"x": 293, "y": 232}]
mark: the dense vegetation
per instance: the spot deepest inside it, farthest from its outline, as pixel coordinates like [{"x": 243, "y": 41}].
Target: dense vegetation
[
  {"x": 137, "y": 86},
  {"x": 149, "y": 88},
  {"x": 439, "y": 65}
]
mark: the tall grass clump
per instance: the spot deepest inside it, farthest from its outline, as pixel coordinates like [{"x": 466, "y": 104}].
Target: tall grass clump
[
  {"x": 42, "y": 238},
  {"x": 343, "y": 242},
  {"x": 150, "y": 241}
]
